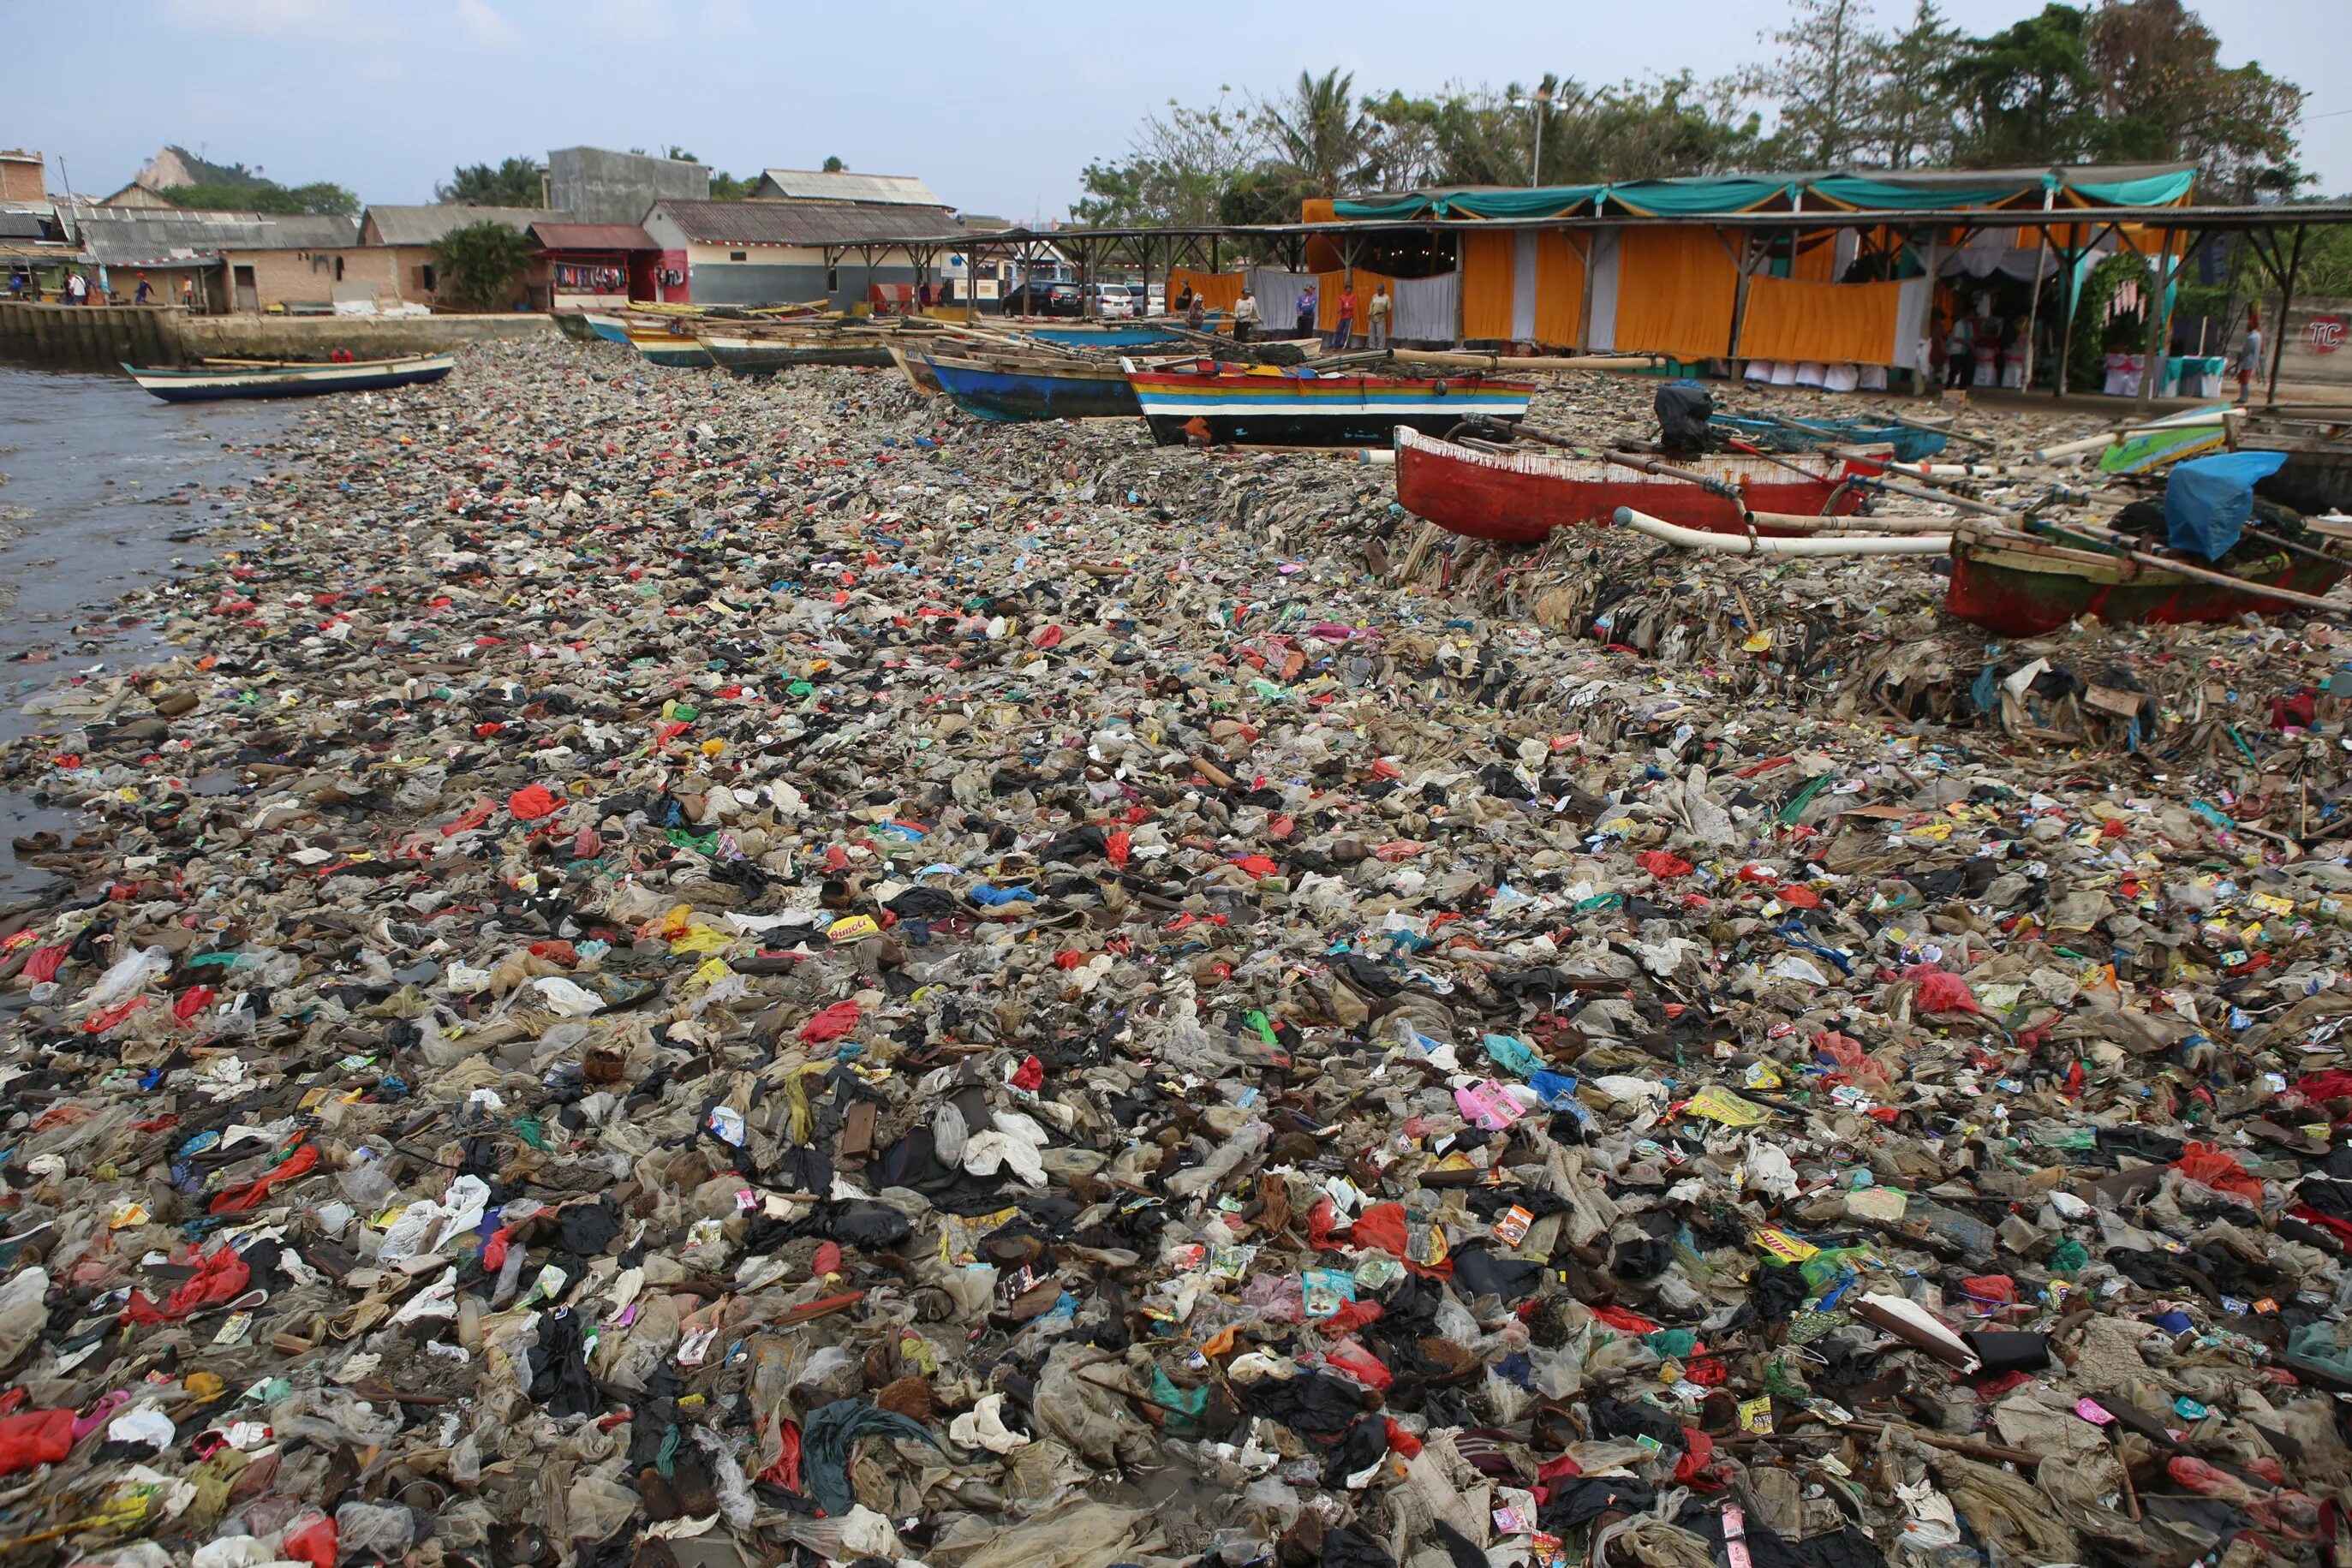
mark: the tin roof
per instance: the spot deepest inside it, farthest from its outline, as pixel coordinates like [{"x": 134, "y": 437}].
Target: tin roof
[
  {"x": 815, "y": 185},
  {"x": 428, "y": 225},
  {"x": 805, "y": 223},
  {"x": 592, "y": 236},
  {"x": 126, "y": 236}
]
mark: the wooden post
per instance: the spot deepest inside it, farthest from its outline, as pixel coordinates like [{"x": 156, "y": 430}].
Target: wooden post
[
  {"x": 2286, "y": 303},
  {"x": 2159, "y": 324},
  {"x": 1584, "y": 308},
  {"x": 1738, "y": 300},
  {"x": 1919, "y": 387},
  {"x": 2033, "y": 309}
]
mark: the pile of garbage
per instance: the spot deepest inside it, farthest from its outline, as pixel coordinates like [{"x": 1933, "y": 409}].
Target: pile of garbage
[{"x": 688, "y": 973}]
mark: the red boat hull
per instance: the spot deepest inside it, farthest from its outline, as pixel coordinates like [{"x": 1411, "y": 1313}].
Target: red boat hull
[{"x": 1518, "y": 497}]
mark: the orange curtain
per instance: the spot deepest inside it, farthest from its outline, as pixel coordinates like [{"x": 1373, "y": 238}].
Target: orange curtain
[
  {"x": 1327, "y": 286},
  {"x": 1486, "y": 284},
  {"x": 1560, "y": 289},
  {"x": 1675, "y": 292},
  {"x": 1216, "y": 290},
  {"x": 1816, "y": 258},
  {"x": 1322, "y": 256},
  {"x": 1834, "y": 323}
]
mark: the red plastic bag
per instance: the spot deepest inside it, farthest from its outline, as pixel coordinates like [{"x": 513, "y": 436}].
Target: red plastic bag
[
  {"x": 831, "y": 1024},
  {"x": 310, "y": 1538},
  {"x": 1940, "y": 990},
  {"x": 1662, "y": 865},
  {"x": 35, "y": 1437},
  {"x": 1360, "y": 1365},
  {"x": 191, "y": 1003},
  {"x": 45, "y": 963},
  {"x": 2207, "y": 1165},
  {"x": 1030, "y": 1076},
  {"x": 1698, "y": 1452},
  {"x": 531, "y": 802}
]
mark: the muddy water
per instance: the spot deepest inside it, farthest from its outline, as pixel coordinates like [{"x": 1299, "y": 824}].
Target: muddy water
[{"x": 103, "y": 488}]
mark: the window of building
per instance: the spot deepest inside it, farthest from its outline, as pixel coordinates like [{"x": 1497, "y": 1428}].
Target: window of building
[
  {"x": 739, "y": 255},
  {"x": 425, "y": 275},
  {"x": 339, "y": 269},
  {"x": 833, "y": 280}
]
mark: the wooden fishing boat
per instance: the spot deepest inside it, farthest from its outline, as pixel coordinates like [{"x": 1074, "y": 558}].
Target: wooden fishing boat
[
  {"x": 678, "y": 351},
  {"x": 215, "y": 381},
  {"x": 611, "y": 329},
  {"x": 918, "y": 373},
  {"x": 756, "y": 355},
  {"x": 2317, "y": 474},
  {"x": 1518, "y": 496},
  {"x": 2017, "y": 588},
  {"x": 1907, "y": 442},
  {"x": 1013, "y": 388},
  {"x": 1212, "y": 399}
]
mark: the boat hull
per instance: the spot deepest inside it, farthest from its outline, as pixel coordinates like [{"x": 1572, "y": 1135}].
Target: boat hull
[
  {"x": 610, "y": 328},
  {"x": 2016, "y": 594},
  {"x": 2312, "y": 481},
  {"x": 221, "y": 385},
  {"x": 1908, "y": 445},
  {"x": 1518, "y": 497},
  {"x": 756, "y": 355},
  {"x": 1327, "y": 411},
  {"x": 918, "y": 371},
  {"x": 1136, "y": 337},
  {"x": 675, "y": 350},
  {"x": 1018, "y": 396}
]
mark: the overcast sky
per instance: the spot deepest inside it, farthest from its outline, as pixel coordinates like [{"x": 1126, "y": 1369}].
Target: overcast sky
[{"x": 997, "y": 107}]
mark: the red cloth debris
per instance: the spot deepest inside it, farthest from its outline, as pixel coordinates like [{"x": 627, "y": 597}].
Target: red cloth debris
[
  {"x": 2207, "y": 1165},
  {"x": 1662, "y": 865},
  {"x": 237, "y": 1199},
  {"x": 220, "y": 1277},
  {"x": 831, "y": 1024},
  {"x": 531, "y": 802},
  {"x": 1382, "y": 1226}
]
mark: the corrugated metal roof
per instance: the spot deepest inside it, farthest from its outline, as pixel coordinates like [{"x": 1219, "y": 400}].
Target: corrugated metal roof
[
  {"x": 21, "y": 225},
  {"x": 126, "y": 236},
  {"x": 592, "y": 236},
  {"x": 805, "y": 223},
  {"x": 815, "y": 185},
  {"x": 426, "y": 225}
]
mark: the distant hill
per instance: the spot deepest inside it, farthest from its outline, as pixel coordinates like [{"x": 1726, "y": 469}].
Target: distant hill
[{"x": 175, "y": 166}]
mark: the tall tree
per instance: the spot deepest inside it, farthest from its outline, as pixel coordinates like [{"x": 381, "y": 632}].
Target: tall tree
[
  {"x": 836, "y": 166},
  {"x": 2163, "y": 93},
  {"x": 2025, "y": 94},
  {"x": 1822, "y": 79},
  {"x": 1180, "y": 167},
  {"x": 1912, "y": 112},
  {"x": 513, "y": 184},
  {"x": 1318, "y": 136}
]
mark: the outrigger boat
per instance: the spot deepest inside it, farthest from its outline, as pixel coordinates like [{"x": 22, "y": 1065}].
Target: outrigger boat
[
  {"x": 1216, "y": 401},
  {"x": 215, "y": 381},
  {"x": 777, "y": 352},
  {"x": 1516, "y": 496}
]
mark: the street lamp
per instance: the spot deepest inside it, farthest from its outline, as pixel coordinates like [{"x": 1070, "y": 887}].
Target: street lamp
[{"x": 1539, "y": 102}]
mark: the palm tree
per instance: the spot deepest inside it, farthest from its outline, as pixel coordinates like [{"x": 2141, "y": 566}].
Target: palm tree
[{"x": 1319, "y": 135}]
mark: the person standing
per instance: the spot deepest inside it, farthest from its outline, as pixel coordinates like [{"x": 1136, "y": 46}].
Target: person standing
[
  {"x": 77, "y": 288},
  {"x": 145, "y": 293},
  {"x": 1245, "y": 315},
  {"x": 1196, "y": 310},
  {"x": 1302, "y": 324},
  {"x": 1959, "y": 356},
  {"x": 1185, "y": 301},
  {"x": 2250, "y": 353},
  {"x": 1346, "y": 330},
  {"x": 1377, "y": 313}
]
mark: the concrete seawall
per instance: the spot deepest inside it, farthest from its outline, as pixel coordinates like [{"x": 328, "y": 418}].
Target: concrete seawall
[{"x": 96, "y": 337}]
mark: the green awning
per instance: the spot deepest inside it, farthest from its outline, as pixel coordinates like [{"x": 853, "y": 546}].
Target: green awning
[
  {"x": 1688, "y": 198},
  {"x": 2155, "y": 191},
  {"x": 1856, "y": 191}
]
